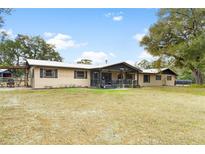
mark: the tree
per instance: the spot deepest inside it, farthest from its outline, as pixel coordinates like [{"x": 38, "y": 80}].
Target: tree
[
  {"x": 13, "y": 52},
  {"x": 85, "y": 61},
  {"x": 145, "y": 64},
  {"x": 9, "y": 53},
  {"x": 179, "y": 34},
  {"x": 185, "y": 74},
  {"x": 3, "y": 12},
  {"x": 159, "y": 63}
]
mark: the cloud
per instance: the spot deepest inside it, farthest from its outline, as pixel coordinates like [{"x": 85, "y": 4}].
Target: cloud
[
  {"x": 48, "y": 34},
  {"x": 138, "y": 37},
  {"x": 62, "y": 41},
  {"x": 112, "y": 54},
  {"x": 145, "y": 55},
  {"x": 146, "y": 30},
  {"x": 131, "y": 62},
  {"x": 96, "y": 57},
  {"x": 8, "y": 32},
  {"x": 109, "y": 14},
  {"x": 116, "y": 16}
]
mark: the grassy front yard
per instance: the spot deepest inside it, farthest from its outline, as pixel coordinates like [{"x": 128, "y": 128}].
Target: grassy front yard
[{"x": 96, "y": 116}]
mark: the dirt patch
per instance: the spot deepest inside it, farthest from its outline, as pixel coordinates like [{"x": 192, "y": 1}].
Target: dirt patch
[{"x": 11, "y": 102}]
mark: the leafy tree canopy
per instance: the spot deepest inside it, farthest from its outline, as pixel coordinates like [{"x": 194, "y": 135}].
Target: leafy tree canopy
[
  {"x": 179, "y": 34},
  {"x": 145, "y": 64},
  {"x": 85, "y": 61},
  {"x": 2, "y": 13},
  {"x": 13, "y": 52}
]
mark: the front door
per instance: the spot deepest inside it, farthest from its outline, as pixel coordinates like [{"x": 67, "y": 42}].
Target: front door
[
  {"x": 95, "y": 79},
  {"x": 107, "y": 78}
]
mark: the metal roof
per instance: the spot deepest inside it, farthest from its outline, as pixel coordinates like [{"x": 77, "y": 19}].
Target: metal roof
[
  {"x": 2, "y": 70},
  {"x": 34, "y": 62},
  {"x": 156, "y": 70},
  {"x": 151, "y": 71}
]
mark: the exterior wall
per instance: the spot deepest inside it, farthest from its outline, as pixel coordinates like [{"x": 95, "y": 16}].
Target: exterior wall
[
  {"x": 31, "y": 81},
  {"x": 65, "y": 79},
  {"x": 154, "y": 82},
  {"x": 171, "y": 82}
]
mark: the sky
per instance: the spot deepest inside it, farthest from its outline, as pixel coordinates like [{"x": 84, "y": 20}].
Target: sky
[{"x": 96, "y": 34}]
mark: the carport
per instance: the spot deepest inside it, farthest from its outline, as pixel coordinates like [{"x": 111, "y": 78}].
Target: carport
[{"x": 7, "y": 80}]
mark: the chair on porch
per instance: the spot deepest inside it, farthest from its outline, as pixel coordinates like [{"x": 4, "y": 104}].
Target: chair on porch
[{"x": 10, "y": 83}]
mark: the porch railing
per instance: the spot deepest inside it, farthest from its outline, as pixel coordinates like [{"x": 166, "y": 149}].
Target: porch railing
[
  {"x": 120, "y": 83},
  {"x": 11, "y": 82}
]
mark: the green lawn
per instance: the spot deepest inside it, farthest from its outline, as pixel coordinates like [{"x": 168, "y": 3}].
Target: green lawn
[{"x": 158, "y": 115}]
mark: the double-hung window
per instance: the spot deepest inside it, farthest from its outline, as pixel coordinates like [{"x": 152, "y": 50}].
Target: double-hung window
[
  {"x": 80, "y": 74},
  {"x": 146, "y": 78},
  {"x": 48, "y": 73}
]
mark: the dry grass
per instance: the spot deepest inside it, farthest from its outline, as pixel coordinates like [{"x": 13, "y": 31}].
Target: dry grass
[{"x": 92, "y": 116}]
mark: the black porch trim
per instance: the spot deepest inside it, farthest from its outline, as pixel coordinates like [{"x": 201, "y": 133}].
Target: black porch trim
[
  {"x": 120, "y": 83},
  {"x": 102, "y": 76},
  {"x": 118, "y": 64},
  {"x": 168, "y": 71}
]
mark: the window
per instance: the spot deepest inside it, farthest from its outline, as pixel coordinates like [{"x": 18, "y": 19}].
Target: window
[
  {"x": 120, "y": 76},
  {"x": 169, "y": 77},
  {"x": 158, "y": 77},
  {"x": 80, "y": 74},
  {"x": 146, "y": 78},
  {"x": 48, "y": 73},
  {"x": 130, "y": 76}
]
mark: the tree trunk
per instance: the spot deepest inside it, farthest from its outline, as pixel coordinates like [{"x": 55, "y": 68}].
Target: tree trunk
[{"x": 198, "y": 76}]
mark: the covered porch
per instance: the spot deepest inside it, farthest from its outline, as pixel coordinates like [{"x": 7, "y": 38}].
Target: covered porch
[
  {"x": 10, "y": 79},
  {"x": 121, "y": 75}
]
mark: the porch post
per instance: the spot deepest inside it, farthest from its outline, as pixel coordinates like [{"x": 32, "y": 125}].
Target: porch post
[
  {"x": 26, "y": 77},
  {"x": 100, "y": 78},
  {"x": 137, "y": 78},
  {"x": 123, "y": 78}
]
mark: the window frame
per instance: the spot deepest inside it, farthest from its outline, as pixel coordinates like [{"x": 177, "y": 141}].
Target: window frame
[
  {"x": 54, "y": 73},
  {"x": 168, "y": 78},
  {"x": 158, "y": 75},
  {"x": 130, "y": 76},
  {"x": 82, "y": 77},
  {"x": 148, "y": 81}
]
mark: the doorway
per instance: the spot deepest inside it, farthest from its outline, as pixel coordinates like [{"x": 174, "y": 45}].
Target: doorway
[{"x": 107, "y": 78}]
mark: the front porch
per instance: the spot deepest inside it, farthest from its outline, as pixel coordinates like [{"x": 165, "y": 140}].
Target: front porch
[
  {"x": 120, "y": 75},
  {"x": 120, "y": 83}
]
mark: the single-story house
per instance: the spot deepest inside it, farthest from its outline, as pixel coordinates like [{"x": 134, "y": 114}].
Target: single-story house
[{"x": 51, "y": 74}]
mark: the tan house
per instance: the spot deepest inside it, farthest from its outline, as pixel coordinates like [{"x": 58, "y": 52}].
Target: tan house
[{"x": 51, "y": 74}]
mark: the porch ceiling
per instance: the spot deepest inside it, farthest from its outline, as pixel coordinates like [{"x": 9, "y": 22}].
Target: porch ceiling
[
  {"x": 113, "y": 70},
  {"x": 120, "y": 67}
]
